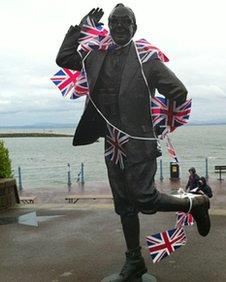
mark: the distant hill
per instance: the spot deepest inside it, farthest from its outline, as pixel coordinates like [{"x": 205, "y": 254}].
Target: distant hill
[
  {"x": 32, "y": 134},
  {"x": 42, "y": 125},
  {"x": 207, "y": 123},
  {"x": 71, "y": 125}
]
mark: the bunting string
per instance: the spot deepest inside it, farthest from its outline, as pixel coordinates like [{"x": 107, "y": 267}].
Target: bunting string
[{"x": 74, "y": 84}]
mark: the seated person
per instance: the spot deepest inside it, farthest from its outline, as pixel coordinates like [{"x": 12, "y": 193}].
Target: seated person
[{"x": 204, "y": 188}]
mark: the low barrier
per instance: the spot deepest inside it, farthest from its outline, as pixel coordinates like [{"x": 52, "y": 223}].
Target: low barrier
[
  {"x": 34, "y": 175},
  {"x": 69, "y": 174}
]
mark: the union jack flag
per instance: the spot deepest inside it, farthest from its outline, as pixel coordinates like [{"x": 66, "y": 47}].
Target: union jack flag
[
  {"x": 163, "y": 114},
  {"x": 81, "y": 84},
  {"x": 91, "y": 35},
  {"x": 184, "y": 219},
  {"x": 170, "y": 149},
  {"x": 147, "y": 51},
  {"x": 161, "y": 245},
  {"x": 72, "y": 84},
  {"x": 94, "y": 36},
  {"x": 116, "y": 139},
  {"x": 65, "y": 79}
]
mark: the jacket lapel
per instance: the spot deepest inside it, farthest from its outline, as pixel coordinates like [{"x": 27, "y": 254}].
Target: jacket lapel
[
  {"x": 93, "y": 69},
  {"x": 131, "y": 66}
]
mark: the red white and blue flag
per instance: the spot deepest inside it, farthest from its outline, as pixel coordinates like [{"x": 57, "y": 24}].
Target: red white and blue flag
[
  {"x": 72, "y": 84},
  {"x": 115, "y": 141},
  {"x": 91, "y": 35},
  {"x": 161, "y": 245},
  {"x": 65, "y": 79},
  {"x": 148, "y": 51},
  {"x": 170, "y": 149},
  {"x": 184, "y": 219},
  {"x": 94, "y": 36},
  {"x": 81, "y": 84},
  {"x": 166, "y": 115}
]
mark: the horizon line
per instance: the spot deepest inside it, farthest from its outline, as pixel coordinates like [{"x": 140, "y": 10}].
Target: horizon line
[{"x": 49, "y": 125}]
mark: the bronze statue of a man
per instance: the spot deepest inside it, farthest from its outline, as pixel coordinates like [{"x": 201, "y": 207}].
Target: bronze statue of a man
[{"x": 120, "y": 88}]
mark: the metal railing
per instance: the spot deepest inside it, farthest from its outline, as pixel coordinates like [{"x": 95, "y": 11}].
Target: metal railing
[
  {"x": 204, "y": 167},
  {"x": 64, "y": 175},
  {"x": 67, "y": 175}
]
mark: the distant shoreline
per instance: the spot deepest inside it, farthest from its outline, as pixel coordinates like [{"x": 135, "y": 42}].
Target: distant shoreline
[
  {"x": 72, "y": 126},
  {"x": 33, "y": 134}
]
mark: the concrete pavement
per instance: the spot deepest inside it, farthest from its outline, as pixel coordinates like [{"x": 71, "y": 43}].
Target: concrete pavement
[{"x": 85, "y": 244}]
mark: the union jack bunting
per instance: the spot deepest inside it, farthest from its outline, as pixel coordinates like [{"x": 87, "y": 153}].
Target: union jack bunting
[
  {"x": 181, "y": 113},
  {"x": 164, "y": 115},
  {"x": 115, "y": 141},
  {"x": 184, "y": 219},
  {"x": 81, "y": 84},
  {"x": 164, "y": 133},
  {"x": 147, "y": 51},
  {"x": 95, "y": 36},
  {"x": 170, "y": 149},
  {"x": 159, "y": 111},
  {"x": 72, "y": 84},
  {"x": 65, "y": 79},
  {"x": 91, "y": 35},
  {"x": 161, "y": 245}
]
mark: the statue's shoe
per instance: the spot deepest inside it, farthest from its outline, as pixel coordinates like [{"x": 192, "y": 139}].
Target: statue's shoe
[
  {"x": 200, "y": 213},
  {"x": 133, "y": 268}
]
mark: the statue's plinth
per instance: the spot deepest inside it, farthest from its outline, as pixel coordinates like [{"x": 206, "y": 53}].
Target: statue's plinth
[{"x": 145, "y": 278}]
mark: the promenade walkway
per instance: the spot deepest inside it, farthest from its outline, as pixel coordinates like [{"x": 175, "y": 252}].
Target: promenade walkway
[
  {"x": 83, "y": 242},
  {"x": 56, "y": 195}
]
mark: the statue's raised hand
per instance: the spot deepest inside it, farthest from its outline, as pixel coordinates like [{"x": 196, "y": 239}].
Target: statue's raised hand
[{"x": 94, "y": 14}]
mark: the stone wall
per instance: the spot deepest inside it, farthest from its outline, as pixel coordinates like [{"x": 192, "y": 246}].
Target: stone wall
[{"x": 8, "y": 193}]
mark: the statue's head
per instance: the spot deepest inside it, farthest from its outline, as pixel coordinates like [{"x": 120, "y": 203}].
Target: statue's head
[{"x": 122, "y": 24}]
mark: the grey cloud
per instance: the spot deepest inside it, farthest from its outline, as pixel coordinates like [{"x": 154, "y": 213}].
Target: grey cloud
[{"x": 196, "y": 50}]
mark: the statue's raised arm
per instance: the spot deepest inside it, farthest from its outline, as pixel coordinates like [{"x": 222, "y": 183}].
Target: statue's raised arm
[
  {"x": 68, "y": 55},
  {"x": 94, "y": 14}
]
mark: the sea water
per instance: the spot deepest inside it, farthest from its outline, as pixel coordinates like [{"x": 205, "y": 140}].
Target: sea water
[{"x": 44, "y": 160}]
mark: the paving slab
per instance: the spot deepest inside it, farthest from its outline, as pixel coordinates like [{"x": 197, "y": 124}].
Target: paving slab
[{"x": 85, "y": 244}]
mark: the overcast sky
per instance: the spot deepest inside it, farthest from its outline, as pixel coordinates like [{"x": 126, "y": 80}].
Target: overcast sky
[{"x": 191, "y": 33}]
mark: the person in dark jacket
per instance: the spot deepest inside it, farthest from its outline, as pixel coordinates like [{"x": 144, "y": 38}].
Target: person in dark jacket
[
  {"x": 193, "y": 180},
  {"x": 204, "y": 188},
  {"x": 119, "y": 95}
]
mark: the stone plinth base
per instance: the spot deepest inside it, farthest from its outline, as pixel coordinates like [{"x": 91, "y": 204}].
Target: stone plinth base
[
  {"x": 145, "y": 278},
  {"x": 8, "y": 193}
]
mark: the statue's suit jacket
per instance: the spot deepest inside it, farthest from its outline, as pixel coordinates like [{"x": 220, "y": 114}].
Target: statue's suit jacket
[{"x": 134, "y": 94}]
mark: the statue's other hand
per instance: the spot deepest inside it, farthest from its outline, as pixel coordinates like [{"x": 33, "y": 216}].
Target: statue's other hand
[{"x": 95, "y": 14}]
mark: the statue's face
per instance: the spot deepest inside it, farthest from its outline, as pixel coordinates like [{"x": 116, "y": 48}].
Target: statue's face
[{"x": 121, "y": 25}]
